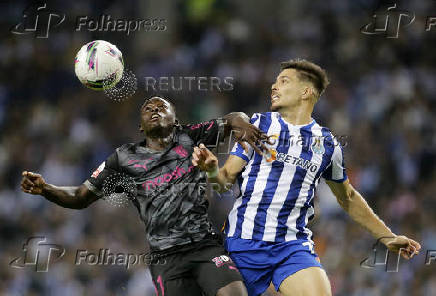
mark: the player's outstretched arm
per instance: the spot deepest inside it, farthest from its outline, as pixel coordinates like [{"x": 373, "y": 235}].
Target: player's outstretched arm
[
  {"x": 74, "y": 197},
  {"x": 221, "y": 178},
  {"x": 244, "y": 131},
  {"x": 358, "y": 209}
]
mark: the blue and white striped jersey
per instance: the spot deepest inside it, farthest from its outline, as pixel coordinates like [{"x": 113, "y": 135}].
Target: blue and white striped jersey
[{"x": 277, "y": 189}]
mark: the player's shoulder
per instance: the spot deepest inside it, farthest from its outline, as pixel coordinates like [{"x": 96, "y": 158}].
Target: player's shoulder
[
  {"x": 126, "y": 148},
  {"x": 325, "y": 130},
  {"x": 329, "y": 137},
  {"x": 259, "y": 115}
]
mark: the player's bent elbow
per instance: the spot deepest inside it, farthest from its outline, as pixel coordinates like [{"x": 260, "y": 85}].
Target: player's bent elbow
[{"x": 83, "y": 197}]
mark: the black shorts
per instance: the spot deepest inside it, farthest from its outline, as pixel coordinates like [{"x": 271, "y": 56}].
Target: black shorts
[{"x": 200, "y": 268}]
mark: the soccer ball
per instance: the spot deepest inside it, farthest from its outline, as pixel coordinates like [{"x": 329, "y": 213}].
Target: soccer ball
[{"x": 99, "y": 65}]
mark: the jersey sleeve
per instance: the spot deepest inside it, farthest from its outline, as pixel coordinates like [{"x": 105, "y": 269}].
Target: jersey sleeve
[
  {"x": 335, "y": 171},
  {"x": 238, "y": 150},
  {"x": 108, "y": 167},
  {"x": 209, "y": 132}
]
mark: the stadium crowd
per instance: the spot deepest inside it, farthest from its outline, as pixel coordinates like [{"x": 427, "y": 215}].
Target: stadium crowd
[{"x": 381, "y": 101}]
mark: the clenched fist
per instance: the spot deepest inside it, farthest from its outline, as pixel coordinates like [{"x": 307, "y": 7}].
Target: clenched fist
[
  {"x": 32, "y": 183},
  {"x": 400, "y": 243},
  {"x": 204, "y": 159}
]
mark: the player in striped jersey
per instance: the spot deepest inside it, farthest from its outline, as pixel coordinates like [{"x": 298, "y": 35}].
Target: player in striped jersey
[{"x": 267, "y": 234}]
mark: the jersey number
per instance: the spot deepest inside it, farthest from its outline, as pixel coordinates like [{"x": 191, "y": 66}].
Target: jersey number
[{"x": 310, "y": 246}]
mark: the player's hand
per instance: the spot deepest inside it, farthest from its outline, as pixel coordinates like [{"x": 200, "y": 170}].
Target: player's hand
[
  {"x": 32, "y": 183},
  {"x": 408, "y": 246},
  {"x": 204, "y": 159},
  {"x": 245, "y": 132}
]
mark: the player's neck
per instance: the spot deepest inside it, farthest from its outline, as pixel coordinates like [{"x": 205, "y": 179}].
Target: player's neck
[
  {"x": 296, "y": 116},
  {"x": 158, "y": 143}
]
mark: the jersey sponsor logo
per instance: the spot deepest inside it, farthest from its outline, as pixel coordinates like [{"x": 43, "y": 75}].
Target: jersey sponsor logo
[
  {"x": 139, "y": 163},
  {"x": 180, "y": 150},
  {"x": 286, "y": 158},
  {"x": 195, "y": 126},
  {"x": 166, "y": 178},
  {"x": 98, "y": 170}
]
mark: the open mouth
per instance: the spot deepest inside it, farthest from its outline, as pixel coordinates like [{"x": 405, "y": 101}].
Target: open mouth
[
  {"x": 154, "y": 117},
  {"x": 274, "y": 98}
]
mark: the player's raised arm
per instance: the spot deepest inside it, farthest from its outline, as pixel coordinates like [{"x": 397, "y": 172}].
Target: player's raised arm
[
  {"x": 222, "y": 178},
  {"x": 244, "y": 131},
  {"x": 359, "y": 210},
  {"x": 236, "y": 124},
  {"x": 74, "y": 197}
]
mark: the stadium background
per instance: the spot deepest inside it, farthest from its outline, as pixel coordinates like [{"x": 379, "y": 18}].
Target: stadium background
[{"x": 381, "y": 98}]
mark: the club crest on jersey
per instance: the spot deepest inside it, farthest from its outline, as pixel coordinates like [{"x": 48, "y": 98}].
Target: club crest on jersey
[{"x": 317, "y": 146}]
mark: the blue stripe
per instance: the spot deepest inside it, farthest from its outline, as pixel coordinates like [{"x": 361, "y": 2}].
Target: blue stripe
[
  {"x": 265, "y": 122},
  {"x": 327, "y": 156},
  {"x": 239, "y": 151},
  {"x": 226, "y": 227},
  {"x": 295, "y": 186},
  {"x": 272, "y": 183}
]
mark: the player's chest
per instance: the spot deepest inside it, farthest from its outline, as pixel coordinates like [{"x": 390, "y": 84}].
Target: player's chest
[
  {"x": 294, "y": 148},
  {"x": 144, "y": 164}
]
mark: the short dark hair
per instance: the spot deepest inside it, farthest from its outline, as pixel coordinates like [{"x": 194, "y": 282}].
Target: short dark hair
[
  {"x": 148, "y": 99},
  {"x": 308, "y": 71}
]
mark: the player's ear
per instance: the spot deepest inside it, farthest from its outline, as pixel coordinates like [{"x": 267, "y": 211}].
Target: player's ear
[{"x": 307, "y": 92}]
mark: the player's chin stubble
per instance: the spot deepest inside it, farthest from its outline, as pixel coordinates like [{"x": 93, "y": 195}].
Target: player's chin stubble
[{"x": 158, "y": 131}]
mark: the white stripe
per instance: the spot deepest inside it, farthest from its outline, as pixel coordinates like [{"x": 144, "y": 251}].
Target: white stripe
[
  {"x": 233, "y": 215},
  {"x": 291, "y": 234},
  {"x": 285, "y": 180},
  {"x": 337, "y": 169},
  {"x": 259, "y": 187}
]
